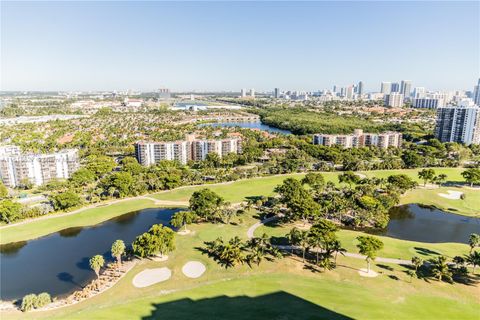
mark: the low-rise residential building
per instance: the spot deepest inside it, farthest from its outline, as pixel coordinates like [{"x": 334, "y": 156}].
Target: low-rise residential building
[
  {"x": 360, "y": 139},
  {"x": 15, "y": 168},
  {"x": 149, "y": 153}
]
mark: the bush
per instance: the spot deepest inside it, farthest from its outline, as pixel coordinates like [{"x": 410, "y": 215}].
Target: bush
[
  {"x": 28, "y": 302},
  {"x": 43, "y": 299},
  {"x": 463, "y": 196}
]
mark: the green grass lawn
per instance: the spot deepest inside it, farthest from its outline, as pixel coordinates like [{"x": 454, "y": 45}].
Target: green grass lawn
[
  {"x": 394, "y": 248},
  {"x": 282, "y": 289},
  {"x": 470, "y": 206}
]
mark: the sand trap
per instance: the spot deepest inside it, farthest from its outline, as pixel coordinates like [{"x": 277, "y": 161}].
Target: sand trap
[
  {"x": 193, "y": 269},
  {"x": 184, "y": 232},
  {"x": 365, "y": 273},
  {"x": 149, "y": 277},
  {"x": 452, "y": 195}
]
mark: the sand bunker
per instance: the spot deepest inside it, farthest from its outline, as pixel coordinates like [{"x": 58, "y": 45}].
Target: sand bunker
[
  {"x": 365, "y": 273},
  {"x": 149, "y": 277},
  {"x": 452, "y": 195},
  {"x": 193, "y": 269}
]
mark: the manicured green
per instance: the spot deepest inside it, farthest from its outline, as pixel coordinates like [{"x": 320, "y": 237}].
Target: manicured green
[
  {"x": 468, "y": 206},
  {"x": 393, "y": 248}
]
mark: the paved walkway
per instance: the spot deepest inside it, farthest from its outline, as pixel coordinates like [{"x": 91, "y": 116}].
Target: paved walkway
[{"x": 251, "y": 231}]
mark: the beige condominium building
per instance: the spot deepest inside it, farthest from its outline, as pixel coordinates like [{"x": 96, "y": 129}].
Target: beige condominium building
[
  {"x": 360, "y": 139},
  {"x": 149, "y": 153}
]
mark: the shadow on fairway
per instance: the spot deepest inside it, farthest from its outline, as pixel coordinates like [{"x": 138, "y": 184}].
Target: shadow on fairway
[{"x": 277, "y": 305}]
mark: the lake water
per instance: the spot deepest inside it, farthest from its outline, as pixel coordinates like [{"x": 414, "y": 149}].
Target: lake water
[
  {"x": 424, "y": 224},
  {"x": 249, "y": 125},
  {"x": 59, "y": 263}
]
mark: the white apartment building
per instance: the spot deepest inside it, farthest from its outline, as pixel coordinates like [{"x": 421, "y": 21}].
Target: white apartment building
[
  {"x": 37, "y": 168},
  {"x": 360, "y": 139},
  {"x": 394, "y": 100},
  {"x": 458, "y": 124},
  {"x": 149, "y": 153}
]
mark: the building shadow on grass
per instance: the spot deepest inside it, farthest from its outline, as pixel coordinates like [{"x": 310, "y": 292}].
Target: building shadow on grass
[{"x": 277, "y": 305}]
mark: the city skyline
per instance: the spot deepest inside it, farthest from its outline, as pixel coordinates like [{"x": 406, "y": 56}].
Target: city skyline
[{"x": 220, "y": 46}]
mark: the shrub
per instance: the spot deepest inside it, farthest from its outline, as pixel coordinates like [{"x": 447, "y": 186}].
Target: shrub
[
  {"x": 43, "y": 299},
  {"x": 28, "y": 302}
]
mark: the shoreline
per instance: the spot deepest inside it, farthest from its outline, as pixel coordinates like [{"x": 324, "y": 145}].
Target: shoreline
[{"x": 93, "y": 288}]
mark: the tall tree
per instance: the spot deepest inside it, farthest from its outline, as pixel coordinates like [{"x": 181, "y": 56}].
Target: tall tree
[
  {"x": 472, "y": 176},
  {"x": 473, "y": 258},
  {"x": 349, "y": 178},
  {"x": 439, "y": 268},
  {"x": 205, "y": 204},
  {"x": 96, "y": 263},
  {"x": 417, "y": 262},
  {"x": 369, "y": 246},
  {"x": 118, "y": 249},
  {"x": 182, "y": 218},
  {"x": 426, "y": 175},
  {"x": 473, "y": 241}
]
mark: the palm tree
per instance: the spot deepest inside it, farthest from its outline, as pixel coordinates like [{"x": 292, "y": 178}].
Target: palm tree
[
  {"x": 417, "y": 262},
  {"x": 369, "y": 246},
  {"x": 96, "y": 263},
  {"x": 303, "y": 241},
  {"x": 118, "y": 248},
  {"x": 441, "y": 178},
  {"x": 473, "y": 241},
  {"x": 336, "y": 247},
  {"x": 182, "y": 218},
  {"x": 293, "y": 237},
  {"x": 439, "y": 268},
  {"x": 474, "y": 259}
]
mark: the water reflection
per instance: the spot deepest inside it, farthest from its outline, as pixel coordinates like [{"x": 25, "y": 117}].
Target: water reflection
[
  {"x": 426, "y": 224},
  {"x": 70, "y": 232},
  {"x": 12, "y": 248},
  {"x": 59, "y": 263}
]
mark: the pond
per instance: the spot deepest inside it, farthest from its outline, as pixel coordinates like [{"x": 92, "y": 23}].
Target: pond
[
  {"x": 249, "y": 125},
  {"x": 424, "y": 224},
  {"x": 59, "y": 263}
]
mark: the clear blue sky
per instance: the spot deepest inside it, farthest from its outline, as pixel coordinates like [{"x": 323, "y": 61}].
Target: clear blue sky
[{"x": 228, "y": 46}]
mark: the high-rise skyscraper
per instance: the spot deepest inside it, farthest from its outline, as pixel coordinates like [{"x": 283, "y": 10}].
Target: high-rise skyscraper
[
  {"x": 419, "y": 92},
  {"x": 406, "y": 87},
  {"x": 243, "y": 93},
  {"x": 360, "y": 88},
  {"x": 395, "y": 87},
  {"x": 386, "y": 87},
  {"x": 349, "y": 92},
  {"x": 276, "y": 93},
  {"x": 476, "y": 94},
  {"x": 252, "y": 93},
  {"x": 458, "y": 124}
]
